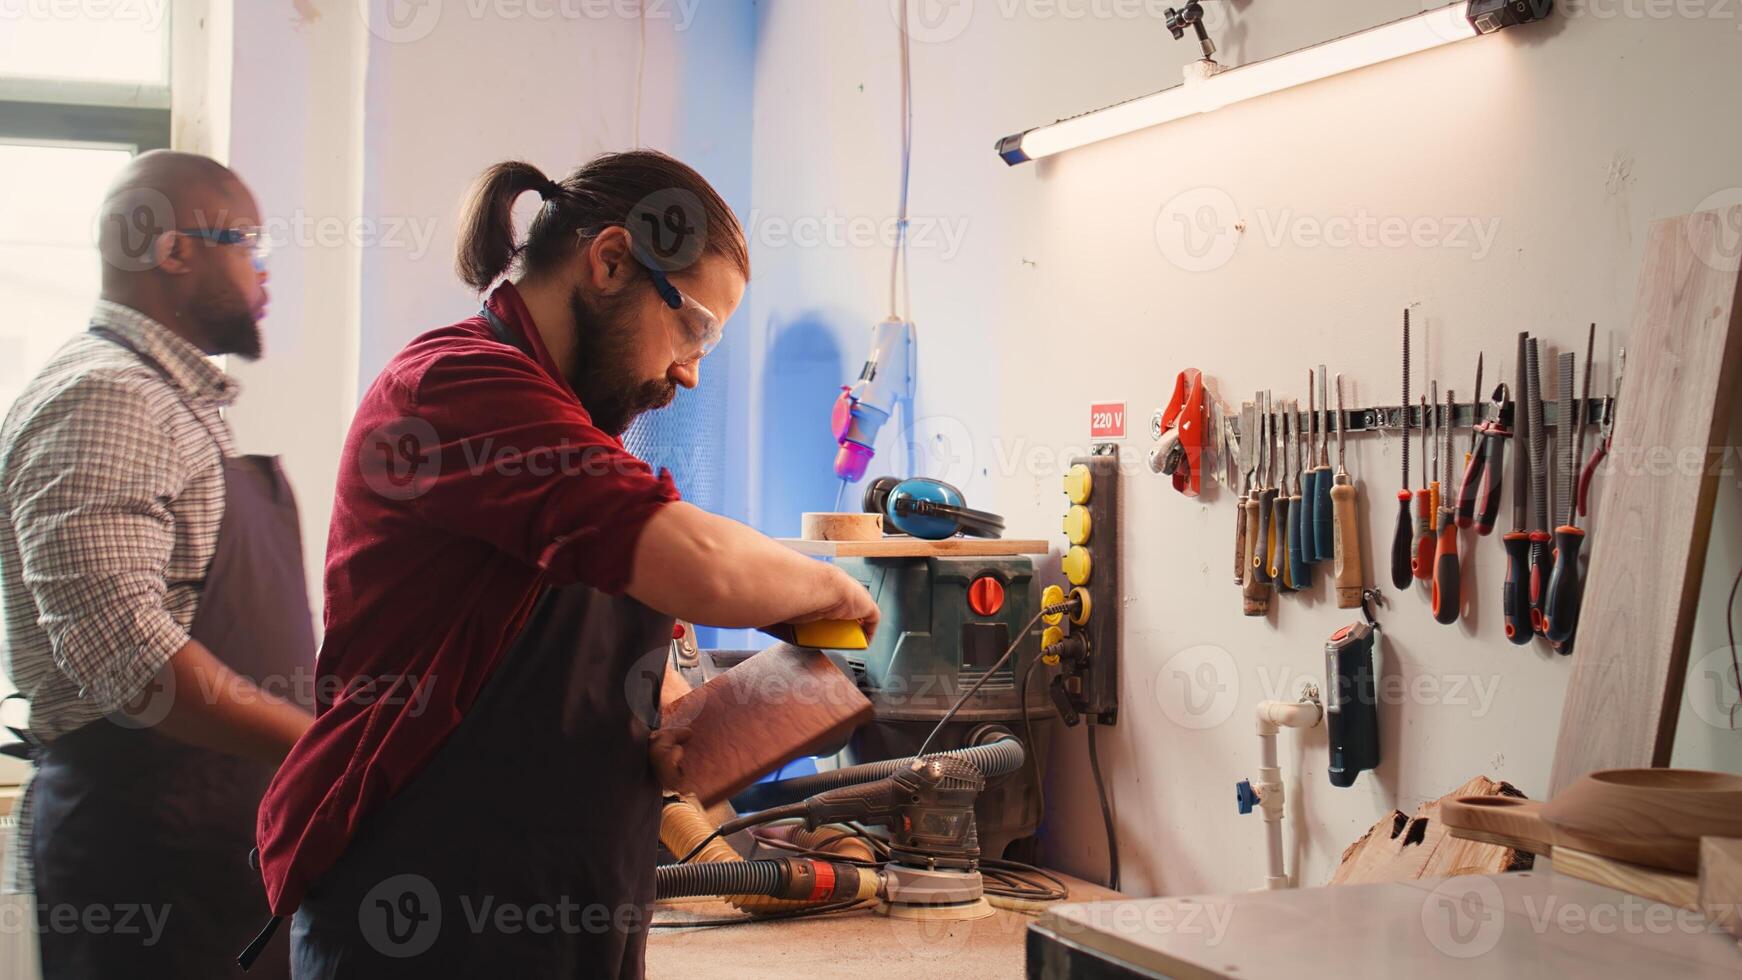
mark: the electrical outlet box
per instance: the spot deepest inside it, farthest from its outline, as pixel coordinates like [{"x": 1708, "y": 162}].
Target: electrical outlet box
[{"x": 1091, "y": 563}]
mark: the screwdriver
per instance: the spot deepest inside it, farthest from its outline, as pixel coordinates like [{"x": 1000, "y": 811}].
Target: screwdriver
[
  {"x": 1257, "y": 586},
  {"x": 1424, "y": 514},
  {"x": 1324, "y": 545},
  {"x": 1467, "y": 489},
  {"x": 1279, "y": 523},
  {"x": 1565, "y": 588},
  {"x": 1516, "y": 599},
  {"x": 1446, "y": 571},
  {"x": 1346, "y": 553},
  {"x": 1401, "y": 559},
  {"x": 1243, "y": 449}
]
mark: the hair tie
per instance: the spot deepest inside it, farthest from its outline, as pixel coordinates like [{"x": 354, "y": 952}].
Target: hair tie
[{"x": 550, "y": 189}]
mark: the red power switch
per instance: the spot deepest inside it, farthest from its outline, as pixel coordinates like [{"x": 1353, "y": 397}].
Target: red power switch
[{"x": 986, "y": 596}]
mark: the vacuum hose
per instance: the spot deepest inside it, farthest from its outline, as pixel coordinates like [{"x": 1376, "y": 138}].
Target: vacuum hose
[
  {"x": 799, "y": 879},
  {"x": 997, "y": 758},
  {"x": 683, "y": 825}
]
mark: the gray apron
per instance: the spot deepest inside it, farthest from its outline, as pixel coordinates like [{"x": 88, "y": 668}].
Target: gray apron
[
  {"x": 132, "y": 824},
  {"x": 526, "y": 847}
]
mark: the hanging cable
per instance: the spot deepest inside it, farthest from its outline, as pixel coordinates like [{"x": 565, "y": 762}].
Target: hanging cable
[
  {"x": 640, "y": 68},
  {"x": 1735, "y": 667},
  {"x": 898, "y": 279},
  {"x": 1106, "y": 811}
]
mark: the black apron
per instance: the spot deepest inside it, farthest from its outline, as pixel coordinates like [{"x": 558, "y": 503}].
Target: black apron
[
  {"x": 526, "y": 847},
  {"x": 141, "y": 842}
]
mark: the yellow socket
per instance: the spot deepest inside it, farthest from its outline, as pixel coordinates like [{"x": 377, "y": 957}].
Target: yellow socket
[
  {"x": 1051, "y": 636},
  {"x": 1052, "y": 595},
  {"x": 1079, "y": 483},
  {"x": 1077, "y": 524},
  {"x": 1076, "y": 565},
  {"x": 1081, "y": 616}
]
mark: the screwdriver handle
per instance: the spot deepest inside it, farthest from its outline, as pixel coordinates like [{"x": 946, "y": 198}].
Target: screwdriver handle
[
  {"x": 1279, "y": 543},
  {"x": 1560, "y": 611},
  {"x": 1424, "y": 535},
  {"x": 1402, "y": 560},
  {"x": 1493, "y": 479},
  {"x": 1266, "y": 536},
  {"x": 1303, "y": 519},
  {"x": 1517, "y": 597},
  {"x": 1298, "y": 570},
  {"x": 1255, "y": 591},
  {"x": 1241, "y": 555},
  {"x": 1467, "y": 490},
  {"x": 1540, "y": 569},
  {"x": 1446, "y": 571},
  {"x": 1346, "y": 551},
  {"x": 1324, "y": 543}
]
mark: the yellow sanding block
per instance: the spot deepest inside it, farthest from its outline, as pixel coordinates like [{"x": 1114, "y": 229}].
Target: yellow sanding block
[{"x": 824, "y": 634}]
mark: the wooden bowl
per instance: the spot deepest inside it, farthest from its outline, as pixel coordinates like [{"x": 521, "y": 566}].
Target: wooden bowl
[{"x": 1651, "y": 817}]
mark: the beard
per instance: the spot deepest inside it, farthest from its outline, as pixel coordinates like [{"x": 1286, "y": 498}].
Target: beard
[
  {"x": 598, "y": 370},
  {"x": 227, "y": 321}
]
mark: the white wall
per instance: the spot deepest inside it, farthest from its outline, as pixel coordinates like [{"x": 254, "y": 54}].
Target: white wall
[{"x": 1571, "y": 138}]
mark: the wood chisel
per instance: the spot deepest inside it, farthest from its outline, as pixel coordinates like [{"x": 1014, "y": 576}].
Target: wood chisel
[
  {"x": 1539, "y": 536},
  {"x": 1446, "y": 596},
  {"x": 1424, "y": 513},
  {"x": 1303, "y": 519},
  {"x": 1516, "y": 598},
  {"x": 1560, "y": 614},
  {"x": 1402, "y": 561},
  {"x": 1466, "y": 516},
  {"x": 1272, "y": 489},
  {"x": 1346, "y": 556},
  {"x": 1324, "y": 544},
  {"x": 1298, "y": 575},
  {"x": 1243, "y": 459},
  {"x": 1256, "y": 589},
  {"x": 1279, "y": 567}
]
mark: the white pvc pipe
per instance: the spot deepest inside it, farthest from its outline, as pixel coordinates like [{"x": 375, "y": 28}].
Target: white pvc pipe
[{"x": 1272, "y": 716}]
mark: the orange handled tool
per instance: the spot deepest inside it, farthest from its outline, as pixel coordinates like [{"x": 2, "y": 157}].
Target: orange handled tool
[
  {"x": 1446, "y": 570},
  {"x": 1402, "y": 560},
  {"x": 1424, "y": 507}
]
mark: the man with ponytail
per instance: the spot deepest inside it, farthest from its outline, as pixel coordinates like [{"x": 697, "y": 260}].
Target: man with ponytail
[{"x": 479, "y": 794}]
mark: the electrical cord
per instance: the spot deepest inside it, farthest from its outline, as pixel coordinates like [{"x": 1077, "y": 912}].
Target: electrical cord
[
  {"x": 1044, "y": 610},
  {"x": 1730, "y": 628},
  {"x": 1033, "y": 760},
  {"x": 1106, "y": 811},
  {"x": 837, "y": 908},
  {"x": 898, "y": 260},
  {"x": 640, "y": 66}
]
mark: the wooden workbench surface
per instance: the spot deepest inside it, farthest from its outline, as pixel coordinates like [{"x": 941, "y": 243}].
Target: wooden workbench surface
[
  {"x": 901, "y": 546},
  {"x": 1530, "y": 925},
  {"x": 859, "y": 944}
]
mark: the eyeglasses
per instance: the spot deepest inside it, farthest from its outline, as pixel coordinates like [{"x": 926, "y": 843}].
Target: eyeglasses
[
  {"x": 259, "y": 246},
  {"x": 702, "y": 330}
]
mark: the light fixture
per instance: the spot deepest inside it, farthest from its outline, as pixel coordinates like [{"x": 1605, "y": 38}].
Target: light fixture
[{"x": 1208, "y": 86}]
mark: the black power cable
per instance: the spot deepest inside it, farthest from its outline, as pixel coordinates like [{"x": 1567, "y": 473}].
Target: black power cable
[{"x": 1106, "y": 812}]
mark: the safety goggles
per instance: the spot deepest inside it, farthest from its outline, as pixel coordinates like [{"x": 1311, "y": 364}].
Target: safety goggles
[
  {"x": 698, "y": 331},
  {"x": 259, "y": 246}
]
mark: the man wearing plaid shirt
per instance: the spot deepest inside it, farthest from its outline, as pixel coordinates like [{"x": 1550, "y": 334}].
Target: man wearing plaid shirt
[{"x": 156, "y": 618}]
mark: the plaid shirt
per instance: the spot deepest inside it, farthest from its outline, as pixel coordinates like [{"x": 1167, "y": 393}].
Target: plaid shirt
[{"x": 111, "y": 495}]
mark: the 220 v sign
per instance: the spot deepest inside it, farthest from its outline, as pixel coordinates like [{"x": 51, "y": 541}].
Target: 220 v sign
[{"x": 1107, "y": 420}]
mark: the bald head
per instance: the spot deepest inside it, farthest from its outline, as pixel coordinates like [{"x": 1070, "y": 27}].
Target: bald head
[{"x": 173, "y": 233}]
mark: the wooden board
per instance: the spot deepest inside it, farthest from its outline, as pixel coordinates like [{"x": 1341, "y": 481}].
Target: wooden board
[
  {"x": 1721, "y": 882},
  {"x": 779, "y": 704},
  {"x": 1654, "y": 516},
  {"x": 1668, "y": 887},
  {"x": 901, "y": 546},
  {"x": 1402, "y": 848}
]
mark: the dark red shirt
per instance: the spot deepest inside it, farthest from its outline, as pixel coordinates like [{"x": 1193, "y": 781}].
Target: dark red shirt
[{"x": 472, "y": 478}]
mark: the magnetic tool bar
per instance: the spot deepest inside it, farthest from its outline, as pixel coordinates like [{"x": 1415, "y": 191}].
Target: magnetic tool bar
[{"x": 1391, "y": 418}]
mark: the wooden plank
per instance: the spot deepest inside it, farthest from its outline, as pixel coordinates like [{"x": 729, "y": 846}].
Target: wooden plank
[
  {"x": 1402, "y": 848},
  {"x": 1721, "y": 882},
  {"x": 774, "y": 707},
  {"x": 901, "y": 546},
  {"x": 1668, "y": 887},
  {"x": 1653, "y": 521}
]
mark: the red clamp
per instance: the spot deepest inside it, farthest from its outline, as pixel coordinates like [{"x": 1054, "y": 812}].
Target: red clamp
[{"x": 1185, "y": 411}]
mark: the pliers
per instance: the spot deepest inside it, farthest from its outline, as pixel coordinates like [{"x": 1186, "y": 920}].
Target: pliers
[{"x": 1486, "y": 467}]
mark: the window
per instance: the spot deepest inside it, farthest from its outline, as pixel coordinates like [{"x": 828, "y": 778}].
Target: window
[{"x": 83, "y": 87}]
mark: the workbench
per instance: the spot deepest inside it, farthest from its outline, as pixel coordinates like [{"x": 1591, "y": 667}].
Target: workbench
[
  {"x": 1529, "y": 925},
  {"x": 856, "y": 944}
]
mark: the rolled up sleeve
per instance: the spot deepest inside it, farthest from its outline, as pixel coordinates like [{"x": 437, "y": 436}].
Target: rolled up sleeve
[
  {"x": 88, "y": 486},
  {"x": 518, "y": 462}
]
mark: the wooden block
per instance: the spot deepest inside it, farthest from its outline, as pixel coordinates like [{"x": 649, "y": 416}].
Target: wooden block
[
  {"x": 1402, "y": 848},
  {"x": 902, "y": 546},
  {"x": 774, "y": 707},
  {"x": 1721, "y": 882},
  {"x": 1654, "y": 515},
  {"x": 1668, "y": 887}
]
